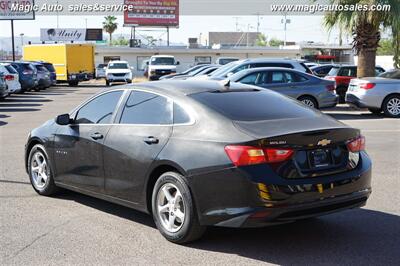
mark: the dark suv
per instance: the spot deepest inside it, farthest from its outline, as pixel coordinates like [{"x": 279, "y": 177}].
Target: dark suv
[
  {"x": 27, "y": 75},
  {"x": 342, "y": 75}
]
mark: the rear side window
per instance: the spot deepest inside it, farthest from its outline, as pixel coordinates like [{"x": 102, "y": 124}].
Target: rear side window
[
  {"x": 147, "y": 109},
  {"x": 348, "y": 72},
  {"x": 100, "y": 110},
  {"x": 11, "y": 70},
  {"x": 306, "y": 68},
  {"x": 180, "y": 115},
  {"x": 253, "y": 105},
  {"x": 334, "y": 71}
]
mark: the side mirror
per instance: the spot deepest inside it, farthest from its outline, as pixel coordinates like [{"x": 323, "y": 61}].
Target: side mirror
[
  {"x": 63, "y": 120},
  {"x": 178, "y": 63},
  {"x": 147, "y": 63}
]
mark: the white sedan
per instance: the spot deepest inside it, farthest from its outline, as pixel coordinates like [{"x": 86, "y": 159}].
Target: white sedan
[{"x": 11, "y": 77}]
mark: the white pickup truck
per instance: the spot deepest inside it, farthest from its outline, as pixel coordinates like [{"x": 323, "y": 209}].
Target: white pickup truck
[{"x": 161, "y": 65}]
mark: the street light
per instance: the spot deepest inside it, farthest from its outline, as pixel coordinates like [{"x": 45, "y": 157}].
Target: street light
[{"x": 22, "y": 41}]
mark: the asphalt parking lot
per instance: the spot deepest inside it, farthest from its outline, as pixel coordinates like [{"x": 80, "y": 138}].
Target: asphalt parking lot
[{"x": 73, "y": 229}]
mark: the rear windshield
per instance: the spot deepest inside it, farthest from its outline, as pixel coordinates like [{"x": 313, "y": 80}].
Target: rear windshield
[
  {"x": 391, "y": 75},
  {"x": 40, "y": 68},
  {"x": 11, "y": 69},
  {"x": 253, "y": 105},
  {"x": 118, "y": 66},
  {"x": 50, "y": 67}
]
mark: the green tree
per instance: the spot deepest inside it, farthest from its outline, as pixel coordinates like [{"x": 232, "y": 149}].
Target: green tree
[
  {"x": 396, "y": 45},
  {"x": 261, "y": 40},
  {"x": 121, "y": 41},
  {"x": 110, "y": 25},
  {"x": 274, "y": 42},
  {"x": 365, "y": 27},
  {"x": 385, "y": 47}
]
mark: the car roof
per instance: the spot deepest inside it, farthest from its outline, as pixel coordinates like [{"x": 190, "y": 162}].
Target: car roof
[
  {"x": 163, "y": 56},
  {"x": 118, "y": 61},
  {"x": 257, "y": 60},
  {"x": 182, "y": 88}
]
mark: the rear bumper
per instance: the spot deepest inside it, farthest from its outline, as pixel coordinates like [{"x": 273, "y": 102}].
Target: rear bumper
[
  {"x": 329, "y": 102},
  {"x": 44, "y": 83},
  {"x": 365, "y": 101},
  {"x": 80, "y": 77},
  {"x": 28, "y": 84},
  {"x": 232, "y": 198}
]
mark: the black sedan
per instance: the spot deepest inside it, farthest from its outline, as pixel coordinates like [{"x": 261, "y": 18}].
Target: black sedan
[{"x": 199, "y": 153}]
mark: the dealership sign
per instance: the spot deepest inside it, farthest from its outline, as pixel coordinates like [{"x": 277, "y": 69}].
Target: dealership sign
[
  {"x": 16, "y": 10},
  {"x": 157, "y": 13},
  {"x": 67, "y": 35}
]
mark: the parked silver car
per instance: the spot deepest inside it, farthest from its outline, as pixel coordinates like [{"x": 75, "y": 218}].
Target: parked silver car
[
  {"x": 376, "y": 94},
  {"x": 311, "y": 90},
  {"x": 101, "y": 71},
  {"x": 234, "y": 67}
]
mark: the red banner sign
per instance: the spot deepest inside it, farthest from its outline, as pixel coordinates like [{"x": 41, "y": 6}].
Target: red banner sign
[{"x": 157, "y": 13}]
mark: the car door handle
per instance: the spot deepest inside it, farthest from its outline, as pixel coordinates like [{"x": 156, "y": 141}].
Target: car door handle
[
  {"x": 151, "y": 140},
  {"x": 96, "y": 136}
]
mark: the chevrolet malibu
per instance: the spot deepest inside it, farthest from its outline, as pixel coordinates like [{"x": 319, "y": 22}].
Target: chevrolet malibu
[{"x": 199, "y": 153}]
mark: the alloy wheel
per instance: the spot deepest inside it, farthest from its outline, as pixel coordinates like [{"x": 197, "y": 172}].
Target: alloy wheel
[
  {"x": 308, "y": 102},
  {"x": 170, "y": 207},
  {"x": 393, "y": 106},
  {"x": 39, "y": 170}
]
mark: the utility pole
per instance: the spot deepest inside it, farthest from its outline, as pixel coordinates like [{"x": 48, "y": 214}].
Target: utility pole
[
  {"x": 285, "y": 21},
  {"x": 258, "y": 22},
  {"x": 22, "y": 42},
  {"x": 12, "y": 39},
  {"x": 237, "y": 23}
]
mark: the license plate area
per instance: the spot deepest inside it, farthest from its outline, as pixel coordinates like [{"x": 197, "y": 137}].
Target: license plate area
[{"x": 321, "y": 158}]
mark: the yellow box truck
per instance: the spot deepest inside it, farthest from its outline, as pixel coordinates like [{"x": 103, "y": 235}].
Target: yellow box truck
[{"x": 73, "y": 62}]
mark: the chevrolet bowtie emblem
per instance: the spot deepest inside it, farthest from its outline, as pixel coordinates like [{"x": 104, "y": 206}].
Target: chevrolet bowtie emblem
[{"x": 324, "y": 142}]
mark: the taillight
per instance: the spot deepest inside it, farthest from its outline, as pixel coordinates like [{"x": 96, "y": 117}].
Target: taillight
[
  {"x": 9, "y": 77},
  {"x": 357, "y": 144},
  {"x": 330, "y": 87},
  {"x": 248, "y": 155},
  {"x": 367, "y": 86},
  {"x": 277, "y": 155}
]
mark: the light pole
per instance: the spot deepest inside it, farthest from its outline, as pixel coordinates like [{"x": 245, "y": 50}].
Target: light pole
[
  {"x": 285, "y": 21},
  {"x": 22, "y": 42}
]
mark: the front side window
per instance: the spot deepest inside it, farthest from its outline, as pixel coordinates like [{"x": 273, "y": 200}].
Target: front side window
[
  {"x": 255, "y": 78},
  {"x": 99, "y": 110},
  {"x": 147, "y": 109}
]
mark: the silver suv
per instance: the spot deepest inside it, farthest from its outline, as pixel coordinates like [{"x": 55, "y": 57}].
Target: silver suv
[{"x": 234, "y": 67}]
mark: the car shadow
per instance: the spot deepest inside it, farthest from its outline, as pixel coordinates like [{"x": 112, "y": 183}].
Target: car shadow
[
  {"x": 348, "y": 116},
  {"x": 20, "y": 105},
  {"x": 354, "y": 237},
  {"x": 358, "y": 236},
  {"x": 18, "y": 110},
  {"x": 110, "y": 208}
]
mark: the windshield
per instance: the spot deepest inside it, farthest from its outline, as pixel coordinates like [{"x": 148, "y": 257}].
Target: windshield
[
  {"x": 41, "y": 68},
  {"x": 166, "y": 61},
  {"x": 118, "y": 66},
  {"x": 196, "y": 71},
  {"x": 191, "y": 69},
  {"x": 253, "y": 105},
  {"x": 227, "y": 61},
  {"x": 226, "y": 69},
  {"x": 391, "y": 74}
]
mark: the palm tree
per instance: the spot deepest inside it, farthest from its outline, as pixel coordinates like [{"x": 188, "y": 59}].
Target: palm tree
[
  {"x": 366, "y": 28},
  {"x": 109, "y": 26}
]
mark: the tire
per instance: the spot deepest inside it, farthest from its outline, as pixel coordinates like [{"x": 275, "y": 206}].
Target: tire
[
  {"x": 309, "y": 101},
  {"x": 107, "y": 83},
  {"x": 375, "y": 111},
  {"x": 391, "y": 106},
  {"x": 39, "y": 168},
  {"x": 186, "y": 227},
  {"x": 37, "y": 89},
  {"x": 129, "y": 81}
]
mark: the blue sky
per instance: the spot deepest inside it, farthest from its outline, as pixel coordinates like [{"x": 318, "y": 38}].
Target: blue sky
[{"x": 301, "y": 28}]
